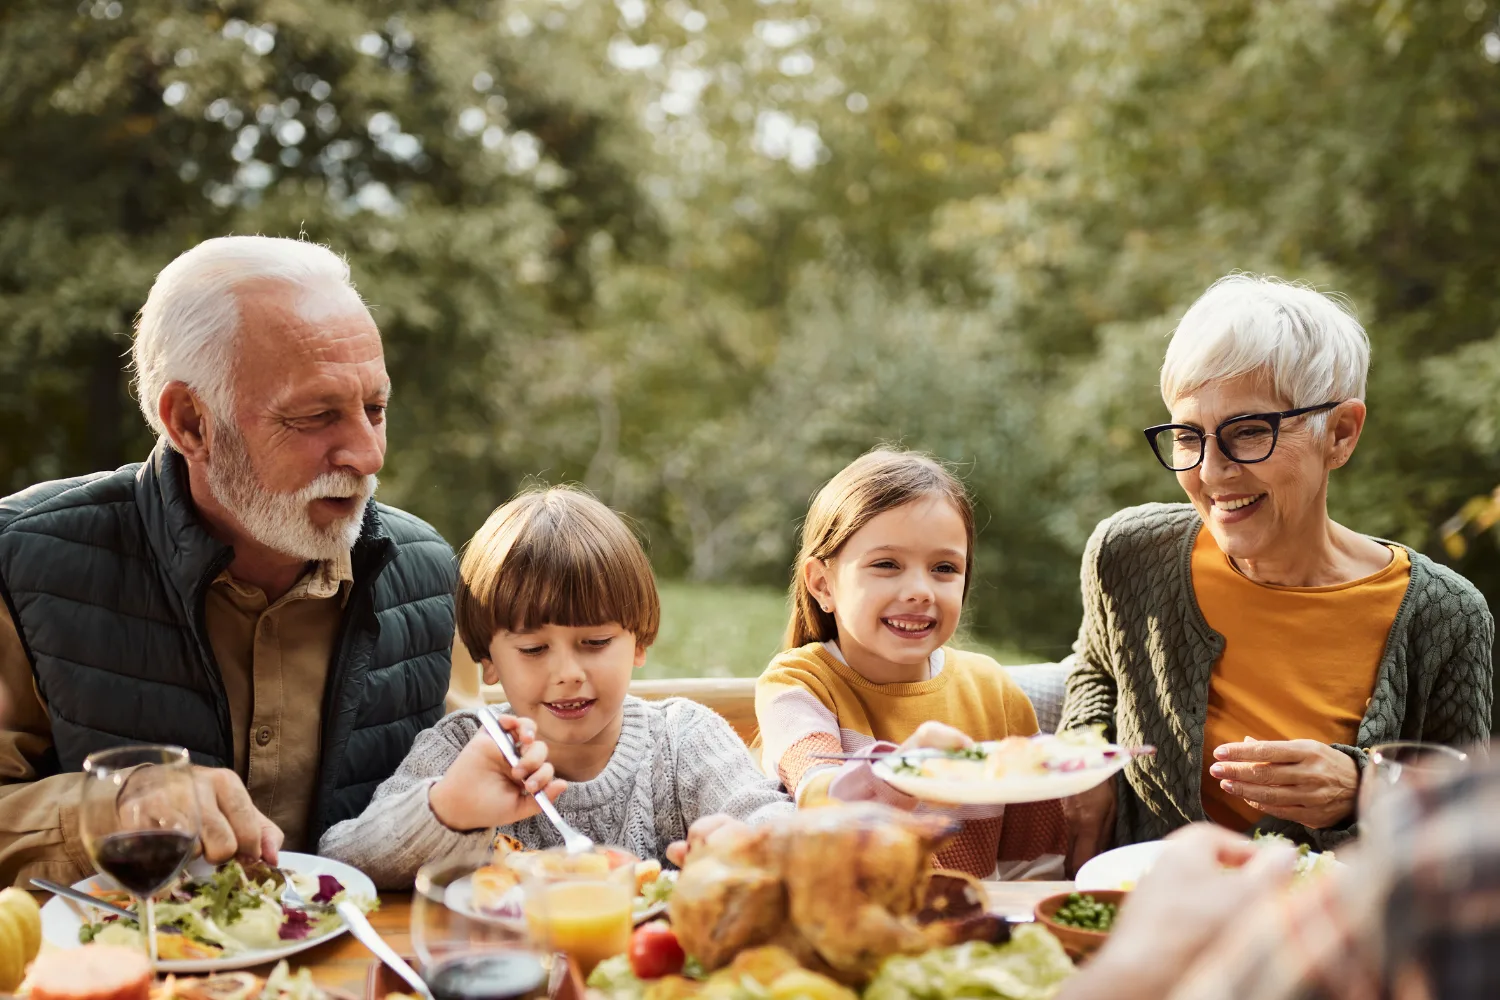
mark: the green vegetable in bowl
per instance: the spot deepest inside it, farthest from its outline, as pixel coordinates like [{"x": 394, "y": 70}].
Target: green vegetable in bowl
[
  {"x": 1086, "y": 913},
  {"x": 1030, "y": 966}
]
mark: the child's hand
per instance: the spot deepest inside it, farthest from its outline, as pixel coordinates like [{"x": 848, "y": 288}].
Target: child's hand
[
  {"x": 711, "y": 829},
  {"x": 481, "y": 789},
  {"x": 936, "y": 736}
]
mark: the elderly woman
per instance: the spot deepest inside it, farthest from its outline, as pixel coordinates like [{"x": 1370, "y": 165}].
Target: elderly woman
[{"x": 1256, "y": 642}]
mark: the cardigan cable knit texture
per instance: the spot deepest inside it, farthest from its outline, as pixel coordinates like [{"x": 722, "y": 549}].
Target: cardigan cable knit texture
[
  {"x": 1145, "y": 655},
  {"x": 675, "y": 762}
]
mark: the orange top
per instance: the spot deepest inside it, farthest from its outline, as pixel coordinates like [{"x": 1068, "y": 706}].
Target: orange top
[{"x": 1298, "y": 662}]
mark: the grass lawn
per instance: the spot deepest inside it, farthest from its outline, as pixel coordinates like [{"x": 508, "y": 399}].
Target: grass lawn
[{"x": 710, "y": 630}]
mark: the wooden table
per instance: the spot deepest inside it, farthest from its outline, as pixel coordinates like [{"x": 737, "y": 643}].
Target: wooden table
[{"x": 344, "y": 963}]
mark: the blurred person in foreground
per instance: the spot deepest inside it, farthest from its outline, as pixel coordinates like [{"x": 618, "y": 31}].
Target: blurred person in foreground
[
  {"x": 1255, "y": 641},
  {"x": 239, "y": 593},
  {"x": 1413, "y": 916}
]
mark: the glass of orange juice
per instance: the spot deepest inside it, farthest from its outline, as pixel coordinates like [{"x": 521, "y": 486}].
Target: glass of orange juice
[{"x": 581, "y": 904}]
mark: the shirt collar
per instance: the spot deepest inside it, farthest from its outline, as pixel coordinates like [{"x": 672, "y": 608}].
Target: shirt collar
[{"x": 321, "y": 580}]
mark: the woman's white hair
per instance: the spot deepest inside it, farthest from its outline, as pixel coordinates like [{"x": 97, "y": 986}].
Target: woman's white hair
[
  {"x": 1310, "y": 344},
  {"x": 186, "y": 330}
]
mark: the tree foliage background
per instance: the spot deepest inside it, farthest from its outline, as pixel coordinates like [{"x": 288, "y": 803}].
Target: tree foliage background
[{"x": 698, "y": 254}]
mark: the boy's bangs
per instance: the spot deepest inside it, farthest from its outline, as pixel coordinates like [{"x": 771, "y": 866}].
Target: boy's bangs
[{"x": 573, "y": 585}]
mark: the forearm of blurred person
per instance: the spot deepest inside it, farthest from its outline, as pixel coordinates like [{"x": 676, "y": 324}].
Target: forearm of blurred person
[{"x": 38, "y": 811}]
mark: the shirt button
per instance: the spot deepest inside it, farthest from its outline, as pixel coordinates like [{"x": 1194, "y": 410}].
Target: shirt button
[{"x": 263, "y": 735}]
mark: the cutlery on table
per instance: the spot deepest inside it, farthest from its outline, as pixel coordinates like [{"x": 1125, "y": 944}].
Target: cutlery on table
[
  {"x": 291, "y": 897},
  {"x": 368, "y": 936},
  {"x": 575, "y": 842},
  {"x": 79, "y": 896}
]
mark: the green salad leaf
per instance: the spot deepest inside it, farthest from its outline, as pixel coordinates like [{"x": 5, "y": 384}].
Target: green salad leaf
[
  {"x": 1031, "y": 966},
  {"x": 617, "y": 980}
]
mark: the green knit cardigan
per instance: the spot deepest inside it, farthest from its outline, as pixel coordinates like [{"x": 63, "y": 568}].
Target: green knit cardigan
[{"x": 1145, "y": 655}]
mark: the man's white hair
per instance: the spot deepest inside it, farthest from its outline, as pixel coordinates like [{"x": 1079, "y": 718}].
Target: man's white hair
[
  {"x": 1310, "y": 345},
  {"x": 186, "y": 330}
]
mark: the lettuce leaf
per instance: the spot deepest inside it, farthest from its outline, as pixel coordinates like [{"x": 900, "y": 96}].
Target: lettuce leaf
[
  {"x": 1031, "y": 966},
  {"x": 615, "y": 979}
]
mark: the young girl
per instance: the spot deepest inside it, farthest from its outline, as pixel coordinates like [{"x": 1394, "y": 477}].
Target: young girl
[
  {"x": 877, "y": 590},
  {"x": 557, "y": 603}
]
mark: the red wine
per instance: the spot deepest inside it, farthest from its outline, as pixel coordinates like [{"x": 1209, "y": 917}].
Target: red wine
[
  {"x": 144, "y": 861},
  {"x": 500, "y": 975}
]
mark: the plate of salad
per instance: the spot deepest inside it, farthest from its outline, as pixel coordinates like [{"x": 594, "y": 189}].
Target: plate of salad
[
  {"x": 229, "y": 917},
  {"x": 1009, "y": 771}
]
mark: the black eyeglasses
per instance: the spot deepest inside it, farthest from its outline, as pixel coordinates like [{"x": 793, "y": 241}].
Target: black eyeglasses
[{"x": 1244, "y": 440}]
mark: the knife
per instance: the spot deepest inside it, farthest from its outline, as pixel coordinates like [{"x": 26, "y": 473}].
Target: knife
[
  {"x": 82, "y": 897},
  {"x": 371, "y": 939},
  {"x": 78, "y": 896}
]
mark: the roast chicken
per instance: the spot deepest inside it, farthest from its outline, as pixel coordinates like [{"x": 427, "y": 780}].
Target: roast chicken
[{"x": 841, "y": 887}]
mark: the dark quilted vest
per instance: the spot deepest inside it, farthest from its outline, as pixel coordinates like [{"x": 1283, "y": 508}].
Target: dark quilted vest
[{"x": 105, "y": 576}]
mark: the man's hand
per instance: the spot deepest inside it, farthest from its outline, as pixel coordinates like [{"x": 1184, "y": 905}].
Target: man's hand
[
  {"x": 1205, "y": 879},
  {"x": 481, "y": 789},
  {"x": 231, "y": 825},
  {"x": 1091, "y": 824},
  {"x": 1303, "y": 781},
  {"x": 715, "y": 828},
  {"x": 936, "y": 736}
]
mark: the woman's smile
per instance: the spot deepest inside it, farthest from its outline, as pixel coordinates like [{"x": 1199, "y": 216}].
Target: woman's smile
[{"x": 1235, "y": 507}]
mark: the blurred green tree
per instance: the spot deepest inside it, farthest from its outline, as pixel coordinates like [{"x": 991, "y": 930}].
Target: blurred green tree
[
  {"x": 427, "y": 141},
  {"x": 699, "y": 254}
]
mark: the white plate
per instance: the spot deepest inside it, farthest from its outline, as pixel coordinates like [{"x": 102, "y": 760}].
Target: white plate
[
  {"x": 1120, "y": 868},
  {"x": 63, "y": 918},
  {"x": 1124, "y": 867},
  {"x": 1006, "y": 791}
]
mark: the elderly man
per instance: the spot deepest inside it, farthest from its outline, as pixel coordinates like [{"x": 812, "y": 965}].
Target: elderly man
[{"x": 239, "y": 593}]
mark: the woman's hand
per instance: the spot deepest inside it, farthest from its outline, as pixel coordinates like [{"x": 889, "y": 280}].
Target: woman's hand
[
  {"x": 1091, "y": 824},
  {"x": 936, "y": 736},
  {"x": 1303, "y": 781},
  {"x": 481, "y": 789}
]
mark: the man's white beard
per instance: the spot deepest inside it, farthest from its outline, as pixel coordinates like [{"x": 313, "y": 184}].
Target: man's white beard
[{"x": 282, "y": 521}]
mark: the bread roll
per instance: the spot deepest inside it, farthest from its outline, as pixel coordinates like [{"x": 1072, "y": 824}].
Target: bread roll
[{"x": 93, "y": 972}]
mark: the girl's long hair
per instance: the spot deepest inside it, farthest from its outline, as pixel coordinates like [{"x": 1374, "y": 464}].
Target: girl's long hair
[{"x": 872, "y": 484}]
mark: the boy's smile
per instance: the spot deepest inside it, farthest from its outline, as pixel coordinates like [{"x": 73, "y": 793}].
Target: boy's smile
[{"x": 571, "y": 710}]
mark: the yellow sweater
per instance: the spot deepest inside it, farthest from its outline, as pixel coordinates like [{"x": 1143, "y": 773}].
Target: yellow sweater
[{"x": 809, "y": 702}]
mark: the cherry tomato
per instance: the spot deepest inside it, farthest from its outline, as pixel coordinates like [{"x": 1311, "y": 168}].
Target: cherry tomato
[{"x": 654, "y": 951}]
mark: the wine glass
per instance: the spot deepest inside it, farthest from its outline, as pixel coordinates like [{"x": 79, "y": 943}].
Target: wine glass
[
  {"x": 139, "y": 821},
  {"x": 1405, "y": 764},
  {"x": 472, "y": 940}
]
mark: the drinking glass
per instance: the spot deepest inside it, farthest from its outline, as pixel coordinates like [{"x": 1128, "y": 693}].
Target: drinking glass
[
  {"x": 1405, "y": 765},
  {"x": 468, "y": 949},
  {"x": 581, "y": 904},
  {"x": 139, "y": 821}
]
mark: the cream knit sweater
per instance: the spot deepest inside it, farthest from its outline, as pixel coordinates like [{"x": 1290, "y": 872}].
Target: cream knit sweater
[{"x": 675, "y": 761}]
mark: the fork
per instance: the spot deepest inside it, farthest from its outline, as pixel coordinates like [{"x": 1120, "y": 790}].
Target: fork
[
  {"x": 291, "y": 897},
  {"x": 575, "y": 842}
]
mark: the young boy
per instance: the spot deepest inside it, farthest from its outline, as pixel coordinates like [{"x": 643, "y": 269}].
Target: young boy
[{"x": 557, "y": 602}]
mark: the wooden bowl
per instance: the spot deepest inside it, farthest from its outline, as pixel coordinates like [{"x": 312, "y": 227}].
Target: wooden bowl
[{"x": 1076, "y": 941}]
